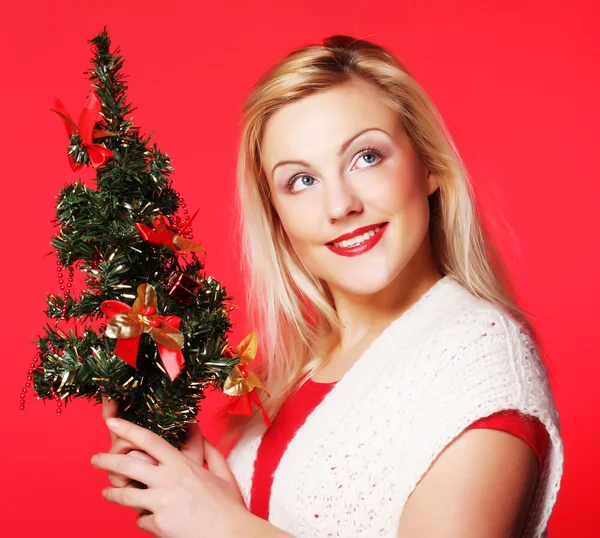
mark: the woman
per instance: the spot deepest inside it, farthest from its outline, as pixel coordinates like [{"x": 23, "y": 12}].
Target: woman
[{"x": 408, "y": 395}]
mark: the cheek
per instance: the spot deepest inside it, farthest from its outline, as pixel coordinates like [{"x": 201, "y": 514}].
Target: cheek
[
  {"x": 303, "y": 244},
  {"x": 396, "y": 191},
  {"x": 410, "y": 187},
  {"x": 300, "y": 219},
  {"x": 303, "y": 234},
  {"x": 299, "y": 229}
]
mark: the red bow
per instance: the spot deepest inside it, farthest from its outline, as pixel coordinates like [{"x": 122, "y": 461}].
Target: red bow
[
  {"x": 98, "y": 154},
  {"x": 164, "y": 235},
  {"x": 127, "y": 324},
  {"x": 243, "y": 406}
]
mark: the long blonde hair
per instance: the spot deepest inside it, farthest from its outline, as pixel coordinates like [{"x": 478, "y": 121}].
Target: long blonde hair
[{"x": 291, "y": 309}]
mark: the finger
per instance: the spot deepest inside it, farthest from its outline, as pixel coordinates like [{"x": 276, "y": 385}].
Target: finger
[
  {"x": 154, "y": 445},
  {"x": 134, "y": 486},
  {"x": 122, "y": 446},
  {"x": 119, "y": 481},
  {"x": 119, "y": 446},
  {"x": 138, "y": 499},
  {"x": 194, "y": 444},
  {"x": 145, "y": 521},
  {"x": 217, "y": 464},
  {"x": 127, "y": 466},
  {"x": 142, "y": 456},
  {"x": 109, "y": 409}
]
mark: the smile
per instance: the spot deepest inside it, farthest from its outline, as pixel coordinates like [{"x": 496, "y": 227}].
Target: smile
[{"x": 359, "y": 243}]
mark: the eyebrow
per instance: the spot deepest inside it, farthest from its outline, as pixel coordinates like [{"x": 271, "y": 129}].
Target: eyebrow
[{"x": 341, "y": 151}]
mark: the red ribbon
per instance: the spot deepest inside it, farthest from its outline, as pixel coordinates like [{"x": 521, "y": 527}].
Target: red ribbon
[
  {"x": 241, "y": 384},
  {"x": 127, "y": 348},
  {"x": 163, "y": 234},
  {"x": 98, "y": 154},
  {"x": 242, "y": 405}
]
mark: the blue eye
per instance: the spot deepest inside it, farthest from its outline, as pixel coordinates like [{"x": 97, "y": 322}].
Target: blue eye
[
  {"x": 303, "y": 180},
  {"x": 370, "y": 156}
]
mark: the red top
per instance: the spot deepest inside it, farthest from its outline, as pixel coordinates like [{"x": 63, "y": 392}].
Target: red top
[{"x": 296, "y": 409}]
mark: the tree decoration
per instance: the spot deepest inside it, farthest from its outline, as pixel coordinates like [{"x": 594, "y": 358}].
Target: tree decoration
[
  {"x": 163, "y": 235},
  {"x": 182, "y": 287},
  {"x": 81, "y": 135},
  {"x": 154, "y": 357},
  {"x": 127, "y": 323},
  {"x": 241, "y": 382}
]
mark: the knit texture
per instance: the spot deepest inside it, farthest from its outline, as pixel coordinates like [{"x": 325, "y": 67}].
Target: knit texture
[{"x": 449, "y": 360}]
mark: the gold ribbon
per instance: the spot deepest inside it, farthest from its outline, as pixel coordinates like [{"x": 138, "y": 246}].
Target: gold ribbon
[
  {"x": 127, "y": 323},
  {"x": 242, "y": 382}
]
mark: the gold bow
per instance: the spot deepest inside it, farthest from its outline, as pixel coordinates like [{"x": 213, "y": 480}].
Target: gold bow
[
  {"x": 143, "y": 318},
  {"x": 241, "y": 381},
  {"x": 127, "y": 323}
]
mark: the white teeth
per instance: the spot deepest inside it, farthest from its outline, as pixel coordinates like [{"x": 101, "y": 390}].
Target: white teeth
[{"x": 356, "y": 240}]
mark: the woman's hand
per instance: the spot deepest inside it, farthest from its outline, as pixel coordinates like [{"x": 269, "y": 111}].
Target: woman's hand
[
  {"x": 183, "y": 498},
  {"x": 121, "y": 446}
]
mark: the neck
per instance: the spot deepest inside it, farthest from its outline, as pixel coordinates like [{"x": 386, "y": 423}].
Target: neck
[{"x": 363, "y": 317}]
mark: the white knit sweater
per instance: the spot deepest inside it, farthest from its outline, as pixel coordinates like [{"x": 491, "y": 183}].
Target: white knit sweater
[{"x": 447, "y": 361}]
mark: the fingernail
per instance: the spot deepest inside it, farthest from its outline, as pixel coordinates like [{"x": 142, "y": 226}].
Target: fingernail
[
  {"x": 112, "y": 423},
  {"x": 94, "y": 460}
]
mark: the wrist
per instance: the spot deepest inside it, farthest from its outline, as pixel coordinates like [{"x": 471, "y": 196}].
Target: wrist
[{"x": 252, "y": 526}]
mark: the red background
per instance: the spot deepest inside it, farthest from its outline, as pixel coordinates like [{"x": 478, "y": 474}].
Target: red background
[{"x": 517, "y": 83}]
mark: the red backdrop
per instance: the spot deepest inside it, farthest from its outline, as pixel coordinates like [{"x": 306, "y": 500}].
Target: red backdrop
[{"x": 515, "y": 83}]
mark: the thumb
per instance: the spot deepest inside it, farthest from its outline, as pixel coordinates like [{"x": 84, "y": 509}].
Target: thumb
[
  {"x": 217, "y": 464},
  {"x": 193, "y": 447},
  {"x": 110, "y": 408}
]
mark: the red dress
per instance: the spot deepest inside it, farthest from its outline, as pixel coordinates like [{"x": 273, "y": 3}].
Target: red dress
[{"x": 296, "y": 409}]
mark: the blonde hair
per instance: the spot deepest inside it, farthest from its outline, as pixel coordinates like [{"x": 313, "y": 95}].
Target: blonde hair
[{"x": 291, "y": 309}]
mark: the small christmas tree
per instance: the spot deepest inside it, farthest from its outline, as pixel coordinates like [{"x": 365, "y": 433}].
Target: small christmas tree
[{"x": 150, "y": 327}]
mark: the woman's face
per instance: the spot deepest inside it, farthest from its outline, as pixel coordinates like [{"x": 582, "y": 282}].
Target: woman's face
[{"x": 349, "y": 188}]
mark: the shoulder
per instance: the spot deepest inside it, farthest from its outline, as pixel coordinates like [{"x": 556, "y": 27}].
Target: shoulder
[
  {"x": 469, "y": 330},
  {"x": 466, "y": 319},
  {"x": 457, "y": 345},
  {"x": 450, "y": 318},
  {"x": 475, "y": 359}
]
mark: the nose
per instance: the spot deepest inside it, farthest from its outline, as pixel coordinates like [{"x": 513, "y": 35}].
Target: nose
[{"x": 341, "y": 200}]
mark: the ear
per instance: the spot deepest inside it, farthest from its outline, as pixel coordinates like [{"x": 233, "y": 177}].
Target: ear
[{"x": 431, "y": 182}]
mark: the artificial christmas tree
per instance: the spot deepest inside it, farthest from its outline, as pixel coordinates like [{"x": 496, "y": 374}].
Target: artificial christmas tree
[{"x": 150, "y": 327}]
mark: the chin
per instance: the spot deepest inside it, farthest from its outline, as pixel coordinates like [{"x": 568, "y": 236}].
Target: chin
[{"x": 365, "y": 285}]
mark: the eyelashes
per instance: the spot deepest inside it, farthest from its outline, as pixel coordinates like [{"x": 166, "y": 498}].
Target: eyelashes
[
  {"x": 370, "y": 150},
  {"x": 363, "y": 152}
]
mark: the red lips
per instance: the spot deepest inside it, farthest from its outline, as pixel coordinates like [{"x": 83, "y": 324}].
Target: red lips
[
  {"x": 360, "y": 248},
  {"x": 358, "y": 231}
]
